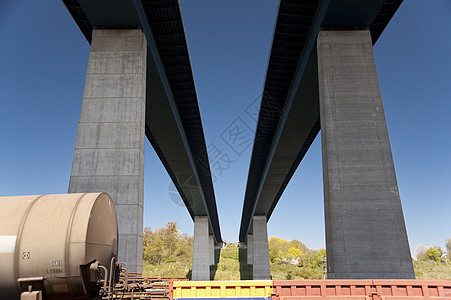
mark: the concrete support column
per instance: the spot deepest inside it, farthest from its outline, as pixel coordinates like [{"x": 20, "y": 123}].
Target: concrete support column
[
  {"x": 201, "y": 249},
  {"x": 250, "y": 249},
  {"x": 365, "y": 231},
  {"x": 260, "y": 251},
  {"x": 109, "y": 149},
  {"x": 211, "y": 241}
]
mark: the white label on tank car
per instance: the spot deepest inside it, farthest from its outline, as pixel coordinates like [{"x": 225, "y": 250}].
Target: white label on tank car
[
  {"x": 57, "y": 263},
  {"x": 7, "y": 243}
]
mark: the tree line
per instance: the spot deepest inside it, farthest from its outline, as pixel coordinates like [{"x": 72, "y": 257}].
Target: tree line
[
  {"x": 167, "y": 252},
  {"x": 434, "y": 253},
  {"x": 294, "y": 260}
]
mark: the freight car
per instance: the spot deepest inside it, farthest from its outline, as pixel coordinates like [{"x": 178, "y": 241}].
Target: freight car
[{"x": 57, "y": 246}]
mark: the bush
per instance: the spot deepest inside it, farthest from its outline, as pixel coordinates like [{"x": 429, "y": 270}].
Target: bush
[
  {"x": 293, "y": 260},
  {"x": 434, "y": 253}
]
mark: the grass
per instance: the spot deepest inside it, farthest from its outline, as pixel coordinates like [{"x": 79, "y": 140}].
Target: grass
[
  {"x": 285, "y": 272},
  {"x": 429, "y": 269},
  {"x": 232, "y": 265},
  {"x": 171, "y": 270}
]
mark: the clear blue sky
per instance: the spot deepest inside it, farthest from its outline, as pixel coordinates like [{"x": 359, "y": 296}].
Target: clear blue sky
[{"x": 43, "y": 60}]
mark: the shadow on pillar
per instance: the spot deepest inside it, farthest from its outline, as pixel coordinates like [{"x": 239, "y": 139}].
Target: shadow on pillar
[
  {"x": 214, "y": 268},
  {"x": 246, "y": 270}
]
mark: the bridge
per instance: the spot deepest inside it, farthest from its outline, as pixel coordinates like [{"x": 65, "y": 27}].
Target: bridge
[
  {"x": 322, "y": 75},
  {"x": 139, "y": 83}
]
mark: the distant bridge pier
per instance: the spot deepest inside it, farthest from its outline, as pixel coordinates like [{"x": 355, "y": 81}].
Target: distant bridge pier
[
  {"x": 109, "y": 149},
  {"x": 211, "y": 249},
  {"x": 365, "y": 230},
  {"x": 257, "y": 243},
  {"x": 203, "y": 249},
  {"x": 250, "y": 249}
]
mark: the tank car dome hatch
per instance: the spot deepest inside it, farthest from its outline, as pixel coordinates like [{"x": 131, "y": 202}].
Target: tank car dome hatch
[{"x": 46, "y": 239}]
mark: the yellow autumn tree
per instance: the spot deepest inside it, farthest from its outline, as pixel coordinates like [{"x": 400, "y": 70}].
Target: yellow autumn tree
[{"x": 294, "y": 253}]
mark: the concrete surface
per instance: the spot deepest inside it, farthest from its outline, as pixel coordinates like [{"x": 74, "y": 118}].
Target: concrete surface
[
  {"x": 260, "y": 251},
  {"x": 109, "y": 150},
  {"x": 211, "y": 245},
  {"x": 201, "y": 250},
  {"x": 365, "y": 230},
  {"x": 250, "y": 249}
]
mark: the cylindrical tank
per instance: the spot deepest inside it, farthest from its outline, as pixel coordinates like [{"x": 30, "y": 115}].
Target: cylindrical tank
[{"x": 50, "y": 236}]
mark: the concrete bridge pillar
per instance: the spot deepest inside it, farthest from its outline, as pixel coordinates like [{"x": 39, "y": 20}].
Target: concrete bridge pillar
[
  {"x": 211, "y": 245},
  {"x": 250, "y": 249},
  {"x": 365, "y": 230},
  {"x": 260, "y": 250},
  {"x": 202, "y": 250},
  {"x": 109, "y": 149}
]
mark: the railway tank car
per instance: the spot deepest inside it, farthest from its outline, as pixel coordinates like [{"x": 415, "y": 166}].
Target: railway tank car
[{"x": 56, "y": 246}]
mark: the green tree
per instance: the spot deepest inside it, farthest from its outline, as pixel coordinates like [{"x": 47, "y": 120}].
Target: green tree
[
  {"x": 434, "y": 253},
  {"x": 166, "y": 251},
  {"x": 281, "y": 252},
  {"x": 448, "y": 244},
  {"x": 277, "y": 249},
  {"x": 318, "y": 257}
]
